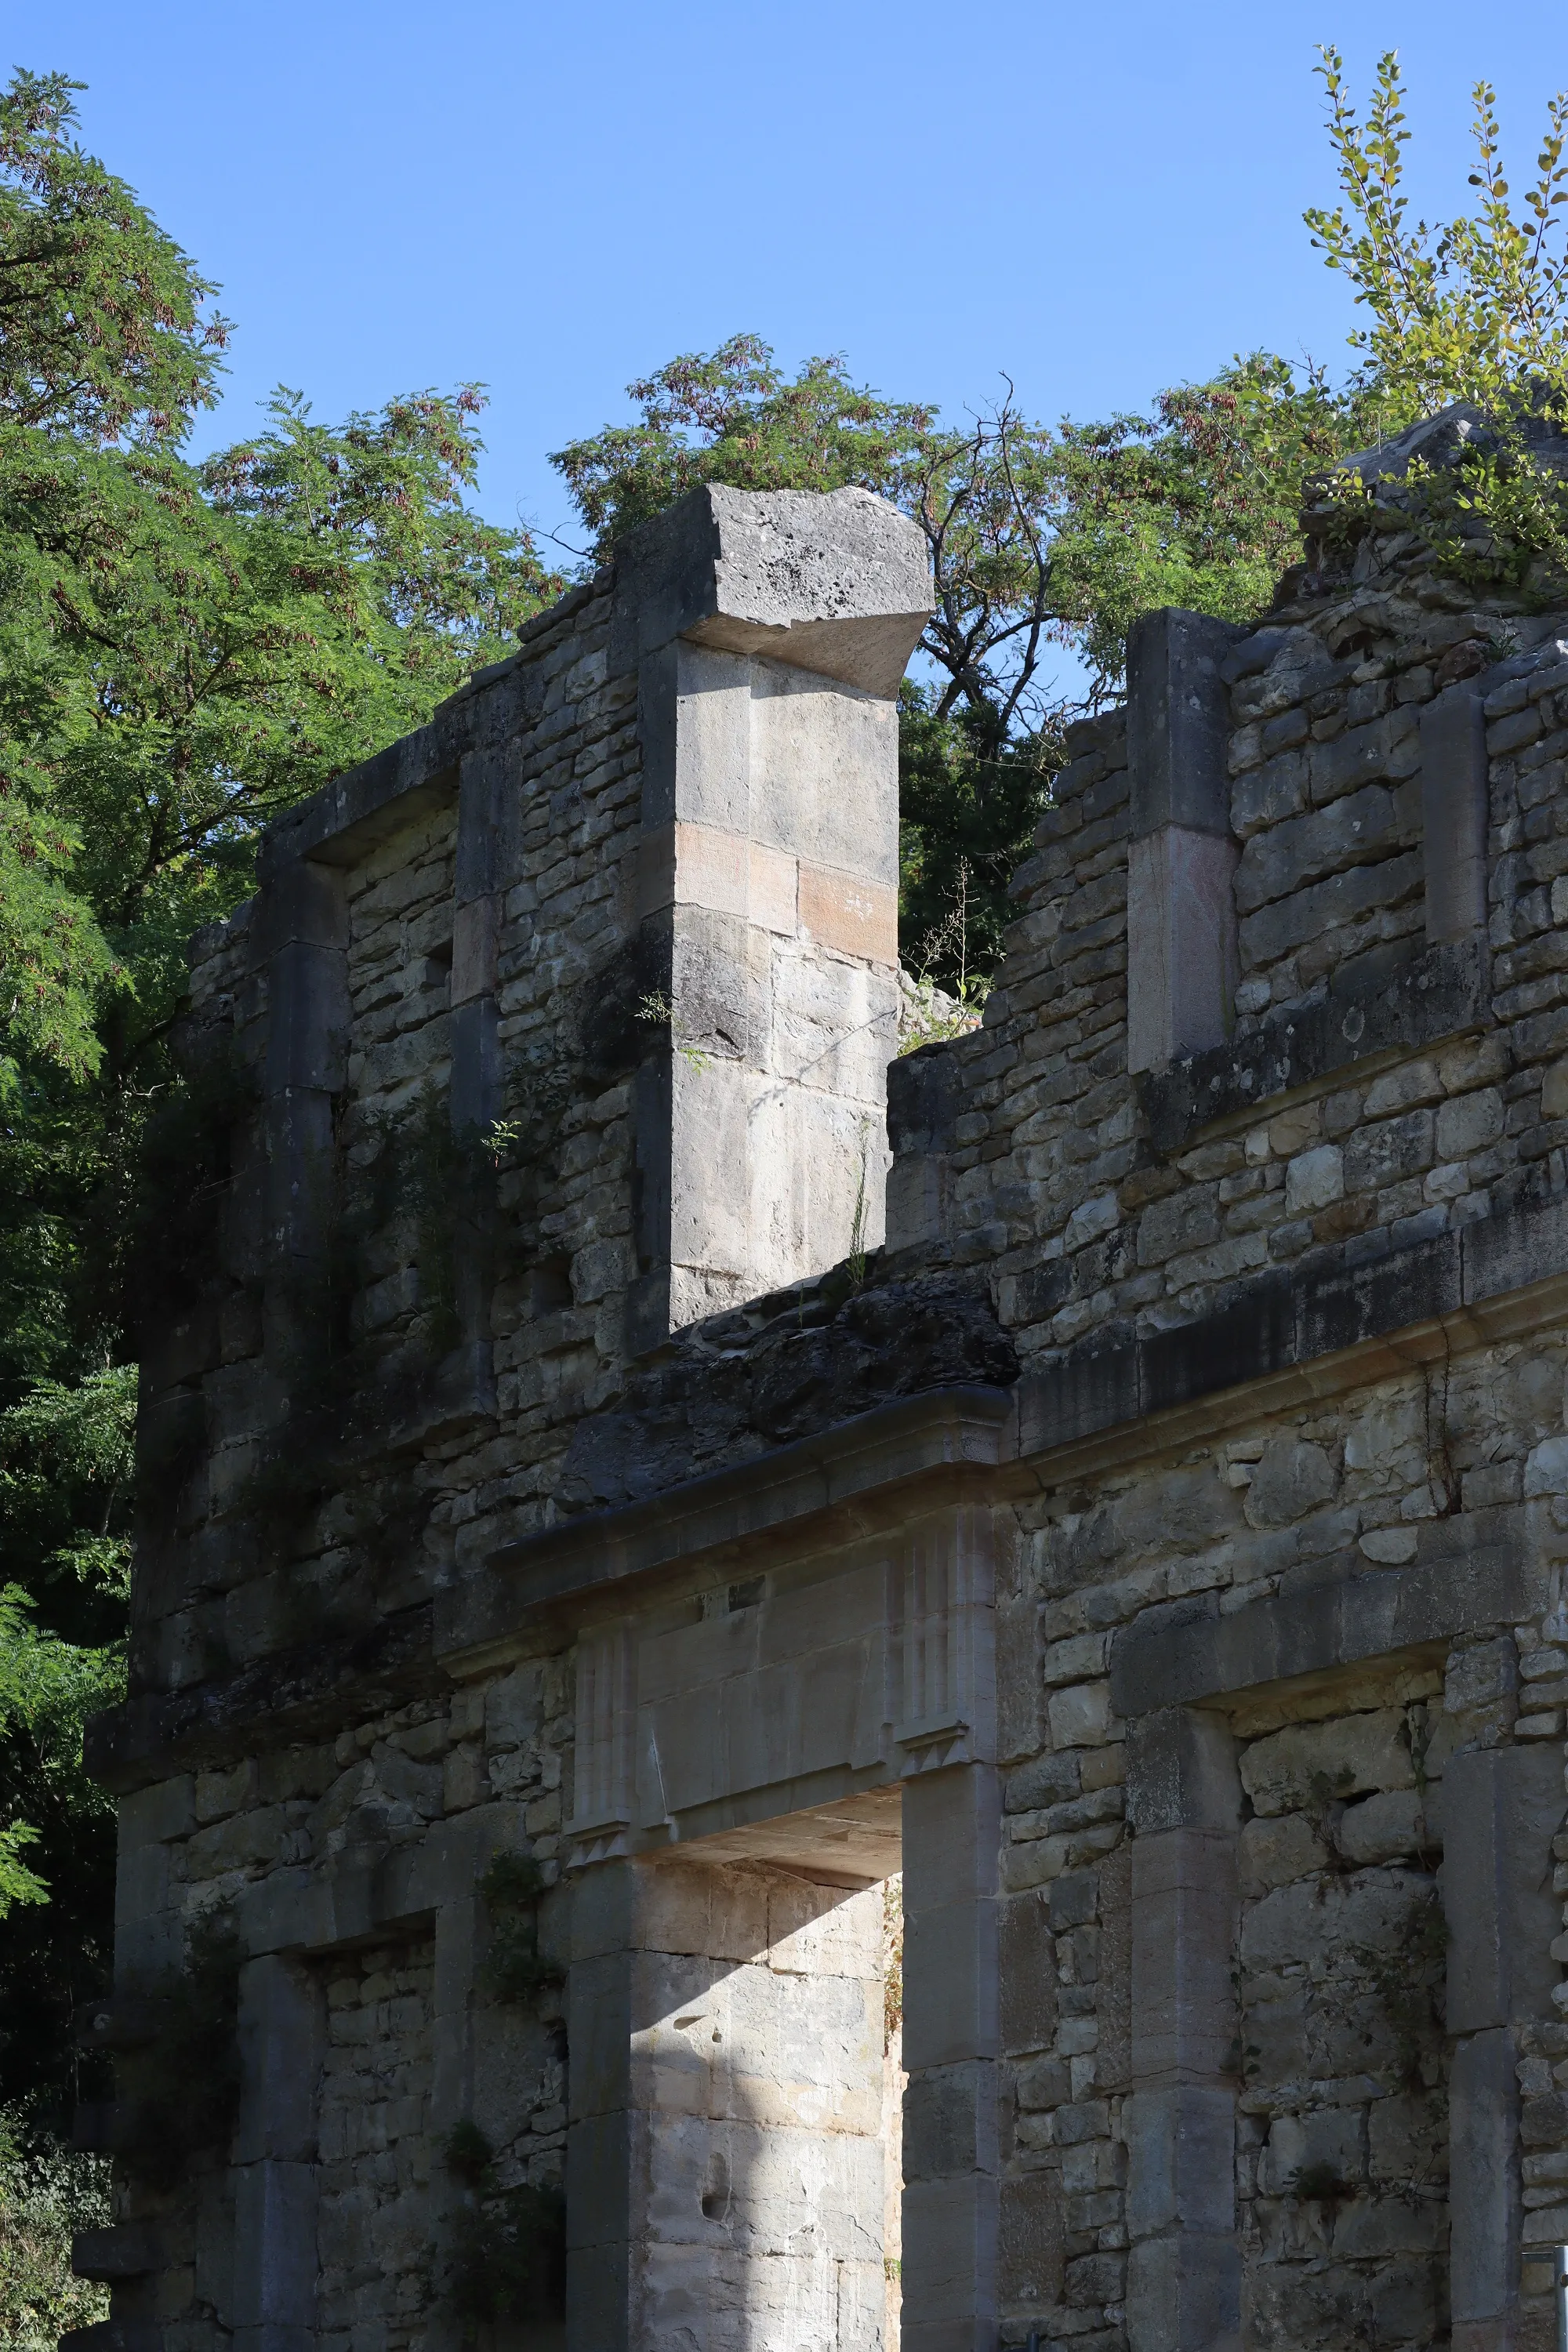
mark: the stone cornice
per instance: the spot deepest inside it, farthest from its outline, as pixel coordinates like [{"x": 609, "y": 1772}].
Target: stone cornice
[{"x": 1284, "y": 1340}]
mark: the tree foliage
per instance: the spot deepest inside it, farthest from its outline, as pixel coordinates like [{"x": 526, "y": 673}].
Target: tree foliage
[
  {"x": 185, "y": 650},
  {"x": 105, "y": 331},
  {"x": 1472, "y": 310}
]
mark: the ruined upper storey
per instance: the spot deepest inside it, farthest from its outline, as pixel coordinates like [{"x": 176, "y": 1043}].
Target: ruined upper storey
[
  {"x": 1192, "y": 1101},
  {"x": 553, "y": 1028}
]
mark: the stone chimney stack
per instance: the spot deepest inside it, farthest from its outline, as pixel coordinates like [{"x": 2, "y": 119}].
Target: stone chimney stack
[{"x": 769, "y": 633}]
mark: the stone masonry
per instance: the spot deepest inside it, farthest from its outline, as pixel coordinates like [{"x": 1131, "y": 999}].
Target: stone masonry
[{"x": 728, "y": 1623}]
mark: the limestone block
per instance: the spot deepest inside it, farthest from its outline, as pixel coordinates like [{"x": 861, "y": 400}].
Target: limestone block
[
  {"x": 1371, "y": 2228},
  {"x": 1291, "y": 1479},
  {"x": 1383, "y": 1828},
  {"x": 950, "y": 1838},
  {"x": 597, "y": 2295},
  {"x": 1113, "y": 1988},
  {"x": 1183, "y": 1914},
  {"x": 599, "y": 2024},
  {"x": 1180, "y": 2159},
  {"x": 1483, "y": 2179},
  {"x": 1453, "y": 810},
  {"x": 1080, "y": 1715},
  {"x": 1029, "y": 2242},
  {"x": 1363, "y": 826},
  {"x": 275, "y": 2257},
  {"x": 750, "y": 1730},
  {"x": 476, "y": 1064},
  {"x": 839, "y": 585},
  {"x": 796, "y": 1620},
  {"x": 512, "y": 1711},
  {"x": 1386, "y": 747},
  {"x": 1371, "y": 1912},
  {"x": 166, "y": 1810},
  {"x": 302, "y": 905},
  {"x": 1181, "y": 1773},
  {"x": 1184, "y": 2295},
  {"x": 1185, "y": 1220},
  {"x": 949, "y": 2121},
  {"x": 1182, "y": 969},
  {"x": 1311, "y": 1762},
  {"x": 1328, "y": 2141},
  {"x": 950, "y": 2239},
  {"x": 715, "y": 744},
  {"x": 811, "y": 750},
  {"x": 600, "y": 2150},
  {"x": 693, "y": 1907},
  {"x": 307, "y": 1027},
  {"x": 1188, "y": 1650},
  {"x": 1026, "y": 1998},
  {"x": 833, "y": 1023},
  {"x": 1178, "y": 721},
  {"x": 457, "y": 1951},
  {"x": 282, "y": 2025},
  {"x": 949, "y": 1983},
  {"x": 146, "y": 1925},
  {"x": 1500, "y": 1808},
  {"x": 820, "y": 1931}
]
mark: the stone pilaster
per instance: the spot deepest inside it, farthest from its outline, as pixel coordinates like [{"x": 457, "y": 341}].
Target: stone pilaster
[
  {"x": 1185, "y": 2268},
  {"x": 1181, "y": 913}
]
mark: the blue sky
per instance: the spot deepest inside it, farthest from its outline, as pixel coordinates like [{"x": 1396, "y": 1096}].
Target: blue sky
[{"x": 1098, "y": 200}]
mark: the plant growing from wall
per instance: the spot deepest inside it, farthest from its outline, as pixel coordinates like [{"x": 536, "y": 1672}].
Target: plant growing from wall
[
  {"x": 1407, "y": 1977},
  {"x": 507, "y": 2254},
  {"x": 178, "y": 2089},
  {"x": 513, "y": 1887}
]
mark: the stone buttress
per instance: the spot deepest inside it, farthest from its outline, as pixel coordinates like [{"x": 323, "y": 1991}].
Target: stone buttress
[{"x": 696, "y": 1685}]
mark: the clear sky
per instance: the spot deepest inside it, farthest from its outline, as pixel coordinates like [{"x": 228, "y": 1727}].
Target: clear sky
[{"x": 1099, "y": 200}]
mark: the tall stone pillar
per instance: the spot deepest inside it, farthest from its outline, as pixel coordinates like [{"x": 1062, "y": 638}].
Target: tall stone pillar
[
  {"x": 769, "y": 633},
  {"x": 951, "y": 2040},
  {"x": 1183, "y": 1803},
  {"x": 1181, "y": 911}
]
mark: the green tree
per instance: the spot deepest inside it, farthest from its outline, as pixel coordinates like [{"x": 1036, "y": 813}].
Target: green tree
[
  {"x": 1473, "y": 309},
  {"x": 185, "y": 650}
]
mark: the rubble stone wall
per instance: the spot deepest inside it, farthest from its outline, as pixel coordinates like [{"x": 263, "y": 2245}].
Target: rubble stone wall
[{"x": 1341, "y": 1937}]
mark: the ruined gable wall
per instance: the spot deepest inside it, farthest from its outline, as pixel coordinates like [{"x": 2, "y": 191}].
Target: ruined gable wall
[
  {"x": 1049, "y": 1171},
  {"x": 391, "y": 1228}
]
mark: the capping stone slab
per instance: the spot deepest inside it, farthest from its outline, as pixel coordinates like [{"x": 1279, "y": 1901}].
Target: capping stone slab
[{"x": 1367, "y": 1013}]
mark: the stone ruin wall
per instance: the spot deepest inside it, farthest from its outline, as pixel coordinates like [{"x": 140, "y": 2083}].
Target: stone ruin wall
[{"x": 1277, "y": 1321}]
